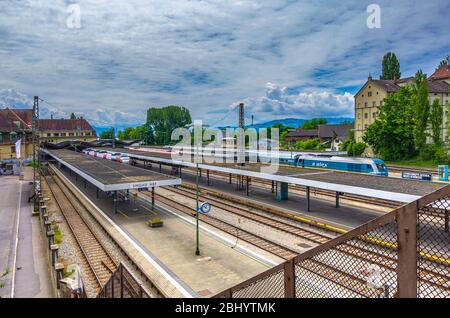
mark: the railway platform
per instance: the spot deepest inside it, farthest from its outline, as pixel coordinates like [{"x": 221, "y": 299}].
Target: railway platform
[
  {"x": 386, "y": 188},
  {"x": 223, "y": 260}
]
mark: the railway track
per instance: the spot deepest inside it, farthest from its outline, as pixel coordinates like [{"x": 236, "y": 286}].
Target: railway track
[
  {"x": 269, "y": 246},
  {"x": 305, "y": 234},
  {"x": 362, "y": 249},
  {"x": 94, "y": 259}
]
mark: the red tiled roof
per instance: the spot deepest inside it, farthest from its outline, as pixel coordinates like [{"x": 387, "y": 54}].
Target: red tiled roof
[
  {"x": 441, "y": 73},
  {"x": 64, "y": 124},
  {"x": 15, "y": 119}
]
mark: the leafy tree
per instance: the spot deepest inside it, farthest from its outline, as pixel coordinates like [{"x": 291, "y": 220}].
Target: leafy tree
[
  {"x": 164, "y": 120},
  {"x": 436, "y": 122},
  {"x": 310, "y": 144},
  {"x": 72, "y": 116},
  {"x": 313, "y": 123},
  {"x": 107, "y": 134},
  {"x": 392, "y": 133},
  {"x": 421, "y": 106},
  {"x": 390, "y": 67},
  {"x": 353, "y": 148}
]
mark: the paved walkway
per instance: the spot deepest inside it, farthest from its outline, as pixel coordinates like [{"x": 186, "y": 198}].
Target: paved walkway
[{"x": 22, "y": 248}]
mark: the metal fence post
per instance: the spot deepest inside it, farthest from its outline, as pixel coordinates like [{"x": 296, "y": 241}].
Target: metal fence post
[
  {"x": 407, "y": 251},
  {"x": 289, "y": 279}
]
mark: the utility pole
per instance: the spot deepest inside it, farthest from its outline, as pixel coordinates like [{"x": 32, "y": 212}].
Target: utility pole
[
  {"x": 35, "y": 140},
  {"x": 241, "y": 143},
  {"x": 252, "y": 121}
]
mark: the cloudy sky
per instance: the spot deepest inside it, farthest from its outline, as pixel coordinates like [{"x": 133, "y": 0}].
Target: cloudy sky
[{"x": 286, "y": 58}]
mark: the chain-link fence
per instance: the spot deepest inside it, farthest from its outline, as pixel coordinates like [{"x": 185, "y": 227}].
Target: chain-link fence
[
  {"x": 405, "y": 253},
  {"x": 122, "y": 284}
]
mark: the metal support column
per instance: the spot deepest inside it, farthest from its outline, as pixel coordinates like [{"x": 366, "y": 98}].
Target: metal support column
[
  {"x": 273, "y": 186},
  {"x": 115, "y": 201},
  {"x": 160, "y": 168},
  {"x": 97, "y": 192},
  {"x": 308, "y": 204},
  {"x": 337, "y": 198},
  {"x": 230, "y": 179},
  {"x": 407, "y": 251},
  {"x": 207, "y": 176},
  {"x": 76, "y": 178},
  {"x": 85, "y": 183},
  {"x": 247, "y": 189},
  {"x": 153, "y": 197},
  {"x": 180, "y": 171},
  {"x": 289, "y": 279},
  {"x": 200, "y": 173}
]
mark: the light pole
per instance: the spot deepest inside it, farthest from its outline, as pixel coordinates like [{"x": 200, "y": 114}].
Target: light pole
[
  {"x": 197, "y": 190},
  {"x": 197, "y": 248}
]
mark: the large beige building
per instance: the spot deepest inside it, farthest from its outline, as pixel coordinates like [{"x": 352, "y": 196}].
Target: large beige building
[
  {"x": 58, "y": 130},
  {"x": 371, "y": 96}
]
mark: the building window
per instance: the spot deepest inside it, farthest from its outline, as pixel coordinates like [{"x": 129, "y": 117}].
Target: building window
[
  {"x": 366, "y": 115},
  {"x": 365, "y": 104},
  {"x": 374, "y": 115},
  {"x": 373, "y": 103},
  {"x": 359, "y": 116},
  {"x": 70, "y": 134},
  {"x": 88, "y": 133},
  {"x": 369, "y": 94},
  {"x": 49, "y": 135},
  {"x": 63, "y": 134},
  {"x": 377, "y": 93},
  {"x": 56, "y": 135}
]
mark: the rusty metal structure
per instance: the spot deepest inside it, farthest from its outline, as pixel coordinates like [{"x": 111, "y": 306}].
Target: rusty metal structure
[
  {"x": 123, "y": 284},
  {"x": 402, "y": 254}
]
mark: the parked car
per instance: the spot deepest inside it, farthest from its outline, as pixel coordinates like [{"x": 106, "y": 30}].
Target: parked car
[
  {"x": 112, "y": 155},
  {"x": 123, "y": 158},
  {"x": 101, "y": 154},
  {"x": 86, "y": 151}
]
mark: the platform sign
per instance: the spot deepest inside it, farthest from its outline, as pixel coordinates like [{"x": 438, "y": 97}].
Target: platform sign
[
  {"x": 142, "y": 189},
  {"x": 204, "y": 208},
  {"x": 417, "y": 176}
]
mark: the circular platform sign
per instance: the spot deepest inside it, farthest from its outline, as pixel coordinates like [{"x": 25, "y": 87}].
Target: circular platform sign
[{"x": 204, "y": 208}]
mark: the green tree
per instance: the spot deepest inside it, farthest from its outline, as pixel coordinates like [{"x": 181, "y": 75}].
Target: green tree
[
  {"x": 309, "y": 144},
  {"x": 436, "y": 122},
  {"x": 421, "y": 106},
  {"x": 390, "y": 67},
  {"x": 392, "y": 134},
  {"x": 164, "y": 120},
  {"x": 107, "y": 134},
  {"x": 353, "y": 148},
  {"x": 313, "y": 123},
  {"x": 72, "y": 116}
]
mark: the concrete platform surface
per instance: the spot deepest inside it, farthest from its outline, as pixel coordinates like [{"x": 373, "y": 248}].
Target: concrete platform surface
[
  {"x": 219, "y": 266},
  {"x": 22, "y": 249}
]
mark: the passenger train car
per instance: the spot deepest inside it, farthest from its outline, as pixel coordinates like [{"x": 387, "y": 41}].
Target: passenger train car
[{"x": 363, "y": 165}]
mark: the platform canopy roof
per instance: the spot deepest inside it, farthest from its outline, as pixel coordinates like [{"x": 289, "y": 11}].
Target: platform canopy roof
[
  {"x": 394, "y": 189},
  {"x": 109, "y": 175}
]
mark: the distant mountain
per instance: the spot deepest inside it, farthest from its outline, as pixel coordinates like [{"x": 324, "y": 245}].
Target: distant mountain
[{"x": 293, "y": 122}]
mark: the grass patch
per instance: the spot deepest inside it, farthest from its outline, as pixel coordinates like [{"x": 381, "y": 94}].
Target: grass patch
[
  {"x": 66, "y": 273},
  {"x": 58, "y": 234},
  {"x": 414, "y": 162}
]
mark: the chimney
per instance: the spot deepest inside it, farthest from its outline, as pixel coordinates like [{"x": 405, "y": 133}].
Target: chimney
[{"x": 370, "y": 77}]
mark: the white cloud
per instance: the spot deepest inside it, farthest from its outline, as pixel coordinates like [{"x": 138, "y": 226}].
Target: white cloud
[
  {"x": 278, "y": 103},
  {"x": 206, "y": 54}
]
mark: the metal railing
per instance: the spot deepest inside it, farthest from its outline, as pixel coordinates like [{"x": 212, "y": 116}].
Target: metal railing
[
  {"x": 123, "y": 284},
  {"x": 405, "y": 253}
]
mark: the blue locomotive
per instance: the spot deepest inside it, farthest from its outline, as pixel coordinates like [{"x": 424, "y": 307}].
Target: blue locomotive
[{"x": 363, "y": 165}]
